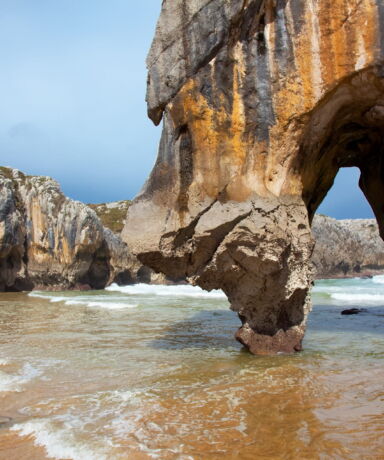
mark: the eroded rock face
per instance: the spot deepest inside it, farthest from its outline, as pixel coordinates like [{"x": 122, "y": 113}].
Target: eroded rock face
[
  {"x": 12, "y": 237},
  {"x": 347, "y": 248},
  {"x": 262, "y": 102},
  {"x": 48, "y": 241},
  {"x": 112, "y": 215},
  {"x": 126, "y": 268}
]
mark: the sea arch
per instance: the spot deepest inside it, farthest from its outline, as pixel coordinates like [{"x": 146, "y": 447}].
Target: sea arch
[
  {"x": 262, "y": 102},
  {"x": 346, "y": 129}
]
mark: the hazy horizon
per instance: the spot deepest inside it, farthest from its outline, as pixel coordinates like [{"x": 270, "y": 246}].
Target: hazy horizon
[{"x": 73, "y": 97}]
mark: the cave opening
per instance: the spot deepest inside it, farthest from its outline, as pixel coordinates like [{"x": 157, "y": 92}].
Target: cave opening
[
  {"x": 346, "y": 130},
  {"x": 345, "y": 199}
]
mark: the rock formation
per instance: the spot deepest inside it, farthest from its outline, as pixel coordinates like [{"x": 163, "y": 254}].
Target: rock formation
[
  {"x": 343, "y": 248},
  {"x": 112, "y": 215},
  {"x": 347, "y": 248},
  {"x": 128, "y": 269},
  {"x": 49, "y": 241},
  {"x": 262, "y": 102}
]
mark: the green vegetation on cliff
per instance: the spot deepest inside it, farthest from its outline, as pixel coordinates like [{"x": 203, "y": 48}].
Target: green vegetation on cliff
[{"x": 112, "y": 215}]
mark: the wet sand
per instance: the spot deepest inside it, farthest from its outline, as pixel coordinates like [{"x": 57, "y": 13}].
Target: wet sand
[{"x": 163, "y": 378}]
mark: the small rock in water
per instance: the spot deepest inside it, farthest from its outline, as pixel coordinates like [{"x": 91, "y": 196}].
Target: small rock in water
[
  {"x": 353, "y": 311},
  {"x": 5, "y": 421}
]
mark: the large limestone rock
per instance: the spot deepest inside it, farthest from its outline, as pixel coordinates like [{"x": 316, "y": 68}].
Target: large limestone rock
[
  {"x": 12, "y": 237},
  {"x": 127, "y": 268},
  {"x": 347, "y": 248},
  {"x": 49, "y": 241},
  {"x": 113, "y": 214},
  {"x": 262, "y": 102}
]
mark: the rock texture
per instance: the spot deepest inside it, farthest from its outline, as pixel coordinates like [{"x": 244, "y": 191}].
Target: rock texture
[
  {"x": 112, "y": 215},
  {"x": 49, "y": 241},
  {"x": 127, "y": 268},
  {"x": 347, "y": 248},
  {"x": 262, "y": 102}
]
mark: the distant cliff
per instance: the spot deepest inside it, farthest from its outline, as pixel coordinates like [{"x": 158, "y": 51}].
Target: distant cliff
[
  {"x": 50, "y": 241},
  {"x": 112, "y": 215},
  {"x": 347, "y": 248}
]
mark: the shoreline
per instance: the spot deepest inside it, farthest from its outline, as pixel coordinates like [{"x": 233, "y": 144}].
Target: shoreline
[
  {"x": 84, "y": 288},
  {"x": 362, "y": 275},
  {"x": 86, "y": 375}
]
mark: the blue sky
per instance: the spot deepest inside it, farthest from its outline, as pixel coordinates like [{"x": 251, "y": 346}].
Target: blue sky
[
  {"x": 345, "y": 200},
  {"x": 72, "y": 90}
]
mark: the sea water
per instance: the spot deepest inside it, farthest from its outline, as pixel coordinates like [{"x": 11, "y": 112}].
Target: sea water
[{"x": 153, "y": 372}]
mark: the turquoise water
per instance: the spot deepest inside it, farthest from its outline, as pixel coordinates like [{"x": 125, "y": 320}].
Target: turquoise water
[{"x": 154, "y": 372}]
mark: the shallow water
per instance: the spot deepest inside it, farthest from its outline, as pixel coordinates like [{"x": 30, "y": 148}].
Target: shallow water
[{"x": 154, "y": 372}]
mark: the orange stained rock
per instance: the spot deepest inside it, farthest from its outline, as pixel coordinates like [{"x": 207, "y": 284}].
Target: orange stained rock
[
  {"x": 218, "y": 137},
  {"x": 291, "y": 91}
]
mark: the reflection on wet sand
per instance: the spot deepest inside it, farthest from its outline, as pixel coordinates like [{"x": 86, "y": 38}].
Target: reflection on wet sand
[{"x": 166, "y": 380}]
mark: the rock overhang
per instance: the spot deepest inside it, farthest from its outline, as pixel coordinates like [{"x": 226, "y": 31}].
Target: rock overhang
[{"x": 261, "y": 101}]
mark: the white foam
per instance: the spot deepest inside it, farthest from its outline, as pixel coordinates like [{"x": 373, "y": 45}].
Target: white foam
[
  {"x": 106, "y": 305},
  {"x": 59, "y": 443},
  {"x": 85, "y": 301},
  {"x": 3, "y": 362},
  {"x": 184, "y": 290},
  {"x": 361, "y": 297},
  {"x": 51, "y": 298},
  {"x": 357, "y": 291},
  {"x": 344, "y": 289},
  {"x": 378, "y": 279},
  {"x": 125, "y": 396},
  {"x": 14, "y": 382}
]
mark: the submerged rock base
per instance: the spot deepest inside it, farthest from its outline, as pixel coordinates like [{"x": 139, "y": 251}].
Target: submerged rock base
[{"x": 258, "y": 253}]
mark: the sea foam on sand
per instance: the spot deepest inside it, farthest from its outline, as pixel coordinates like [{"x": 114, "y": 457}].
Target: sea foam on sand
[
  {"x": 184, "y": 290},
  {"x": 14, "y": 382},
  {"x": 86, "y": 301},
  {"x": 59, "y": 442}
]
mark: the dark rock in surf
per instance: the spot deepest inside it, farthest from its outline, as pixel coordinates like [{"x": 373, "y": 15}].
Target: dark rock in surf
[{"x": 353, "y": 311}]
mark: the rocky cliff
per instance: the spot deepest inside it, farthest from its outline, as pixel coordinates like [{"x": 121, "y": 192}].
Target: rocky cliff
[
  {"x": 262, "y": 102},
  {"x": 347, "y": 248},
  {"x": 343, "y": 248},
  {"x": 50, "y": 241},
  {"x": 112, "y": 215}
]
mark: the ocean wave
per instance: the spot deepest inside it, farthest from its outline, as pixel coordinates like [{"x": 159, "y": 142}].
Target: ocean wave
[
  {"x": 86, "y": 301},
  {"x": 355, "y": 291},
  {"x": 184, "y": 290},
  {"x": 360, "y": 297},
  {"x": 50, "y": 297},
  {"x": 59, "y": 442},
  {"x": 106, "y": 305},
  {"x": 15, "y": 382},
  {"x": 379, "y": 279},
  {"x": 67, "y": 435}
]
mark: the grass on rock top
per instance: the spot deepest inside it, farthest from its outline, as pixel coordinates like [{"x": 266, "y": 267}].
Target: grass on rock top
[{"x": 112, "y": 215}]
